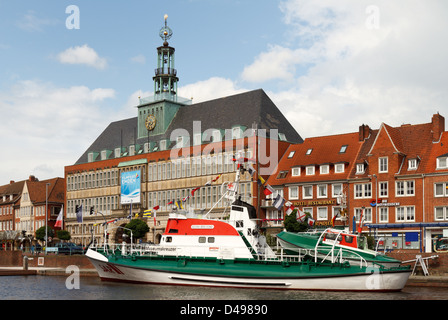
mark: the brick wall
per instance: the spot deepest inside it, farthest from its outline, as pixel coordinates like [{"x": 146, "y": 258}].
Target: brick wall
[
  {"x": 15, "y": 259},
  {"x": 438, "y": 266}
]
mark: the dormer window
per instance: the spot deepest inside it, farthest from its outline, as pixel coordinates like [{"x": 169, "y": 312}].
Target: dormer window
[
  {"x": 310, "y": 170},
  {"x": 442, "y": 162},
  {"x": 360, "y": 168},
  {"x": 324, "y": 169},
  {"x": 339, "y": 167},
  {"x": 412, "y": 164}
]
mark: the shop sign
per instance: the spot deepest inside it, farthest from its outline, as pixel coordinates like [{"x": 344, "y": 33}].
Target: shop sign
[{"x": 314, "y": 203}]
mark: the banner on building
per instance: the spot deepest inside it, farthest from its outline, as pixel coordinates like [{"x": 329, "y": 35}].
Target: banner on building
[{"x": 130, "y": 187}]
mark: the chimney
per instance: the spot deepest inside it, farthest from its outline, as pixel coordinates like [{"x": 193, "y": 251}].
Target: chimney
[
  {"x": 364, "y": 132},
  {"x": 438, "y": 126},
  {"x": 11, "y": 181},
  {"x": 32, "y": 178}
]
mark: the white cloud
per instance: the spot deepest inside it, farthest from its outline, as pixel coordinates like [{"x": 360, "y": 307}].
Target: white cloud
[
  {"x": 48, "y": 127},
  {"x": 209, "y": 89},
  {"x": 82, "y": 55},
  {"x": 339, "y": 73},
  {"x": 31, "y": 23},
  {"x": 139, "y": 59}
]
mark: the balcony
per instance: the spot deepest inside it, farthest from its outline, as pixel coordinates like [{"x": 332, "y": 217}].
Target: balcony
[{"x": 165, "y": 71}]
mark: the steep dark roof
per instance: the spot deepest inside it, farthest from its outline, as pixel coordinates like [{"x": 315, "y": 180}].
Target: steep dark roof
[{"x": 241, "y": 109}]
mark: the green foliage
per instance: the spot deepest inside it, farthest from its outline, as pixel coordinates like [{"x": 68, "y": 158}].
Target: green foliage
[
  {"x": 63, "y": 234},
  {"x": 292, "y": 225},
  {"x": 139, "y": 228},
  {"x": 40, "y": 233}
]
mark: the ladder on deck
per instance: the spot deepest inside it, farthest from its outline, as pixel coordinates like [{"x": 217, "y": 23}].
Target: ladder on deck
[{"x": 420, "y": 260}]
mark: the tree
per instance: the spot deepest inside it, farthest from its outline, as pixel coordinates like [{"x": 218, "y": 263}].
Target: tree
[
  {"x": 40, "y": 233},
  {"x": 139, "y": 228},
  {"x": 63, "y": 234},
  {"x": 292, "y": 225}
]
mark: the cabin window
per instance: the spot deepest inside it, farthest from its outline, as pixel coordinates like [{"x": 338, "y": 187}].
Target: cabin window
[
  {"x": 211, "y": 239},
  {"x": 169, "y": 239},
  {"x": 202, "y": 239},
  {"x": 239, "y": 224},
  {"x": 173, "y": 231},
  {"x": 349, "y": 239}
]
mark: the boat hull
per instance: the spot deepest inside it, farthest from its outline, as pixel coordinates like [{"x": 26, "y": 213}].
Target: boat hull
[{"x": 219, "y": 273}]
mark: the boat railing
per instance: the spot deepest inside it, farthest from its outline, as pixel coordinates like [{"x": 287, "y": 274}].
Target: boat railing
[
  {"x": 335, "y": 255},
  {"x": 201, "y": 252}
]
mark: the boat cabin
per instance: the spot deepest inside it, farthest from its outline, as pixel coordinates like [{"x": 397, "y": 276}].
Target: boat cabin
[{"x": 344, "y": 239}]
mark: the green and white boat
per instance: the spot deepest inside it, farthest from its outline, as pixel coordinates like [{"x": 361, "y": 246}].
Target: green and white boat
[
  {"x": 232, "y": 253},
  {"x": 347, "y": 246}
]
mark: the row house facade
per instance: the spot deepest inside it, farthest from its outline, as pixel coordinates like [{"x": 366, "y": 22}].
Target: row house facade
[
  {"x": 24, "y": 206},
  {"x": 390, "y": 181}
]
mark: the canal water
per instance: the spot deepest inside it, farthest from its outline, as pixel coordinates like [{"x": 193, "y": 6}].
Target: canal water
[{"x": 92, "y": 288}]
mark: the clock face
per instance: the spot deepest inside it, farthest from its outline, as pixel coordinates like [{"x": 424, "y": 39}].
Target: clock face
[{"x": 150, "y": 122}]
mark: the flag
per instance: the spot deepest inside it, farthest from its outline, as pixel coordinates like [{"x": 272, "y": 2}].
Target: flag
[
  {"x": 156, "y": 207},
  {"x": 79, "y": 213},
  {"x": 300, "y": 216},
  {"x": 147, "y": 213},
  {"x": 59, "y": 219},
  {"x": 268, "y": 190},
  {"x": 334, "y": 219},
  {"x": 311, "y": 222},
  {"x": 171, "y": 202},
  {"x": 250, "y": 169},
  {"x": 217, "y": 178},
  {"x": 278, "y": 202},
  {"x": 209, "y": 183},
  {"x": 186, "y": 198},
  {"x": 194, "y": 190},
  {"x": 179, "y": 204},
  {"x": 260, "y": 180},
  {"x": 289, "y": 208}
]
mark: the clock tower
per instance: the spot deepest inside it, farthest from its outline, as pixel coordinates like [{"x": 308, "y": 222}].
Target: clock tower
[{"x": 156, "y": 113}]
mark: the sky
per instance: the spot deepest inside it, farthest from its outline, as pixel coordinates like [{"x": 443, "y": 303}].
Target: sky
[{"x": 69, "y": 68}]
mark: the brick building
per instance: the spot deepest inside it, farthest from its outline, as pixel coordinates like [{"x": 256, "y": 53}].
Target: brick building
[
  {"x": 395, "y": 178},
  {"x": 175, "y": 148}
]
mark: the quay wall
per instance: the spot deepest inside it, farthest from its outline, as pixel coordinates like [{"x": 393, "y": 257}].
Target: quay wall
[
  {"x": 15, "y": 259},
  {"x": 437, "y": 266}
]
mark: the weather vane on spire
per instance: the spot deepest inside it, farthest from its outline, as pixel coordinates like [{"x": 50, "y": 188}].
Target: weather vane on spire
[{"x": 166, "y": 32}]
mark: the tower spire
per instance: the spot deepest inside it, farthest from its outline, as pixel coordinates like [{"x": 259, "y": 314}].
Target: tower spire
[{"x": 165, "y": 79}]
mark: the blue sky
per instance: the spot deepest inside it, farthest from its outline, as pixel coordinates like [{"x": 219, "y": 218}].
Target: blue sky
[{"x": 329, "y": 66}]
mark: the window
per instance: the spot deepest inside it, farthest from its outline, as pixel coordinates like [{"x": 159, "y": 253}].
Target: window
[
  {"x": 307, "y": 192},
  {"x": 322, "y": 213},
  {"x": 405, "y": 214},
  {"x": 442, "y": 162},
  {"x": 382, "y": 164},
  {"x": 294, "y": 193},
  {"x": 322, "y": 191},
  {"x": 405, "y": 188},
  {"x": 291, "y": 154},
  {"x": 384, "y": 214},
  {"x": 295, "y": 172},
  {"x": 339, "y": 167},
  {"x": 343, "y": 149},
  {"x": 324, "y": 169},
  {"x": 440, "y": 189},
  {"x": 441, "y": 213},
  {"x": 308, "y": 152},
  {"x": 360, "y": 168},
  {"x": 282, "y": 174},
  {"x": 383, "y": 186},
  {"x": 412, "y": 164},
  {"x": 363, "y": 190},
  {"x": 310, "y": 170},
  {"x": 337, "y": 189},
  {"x": 366, "y": 216}
]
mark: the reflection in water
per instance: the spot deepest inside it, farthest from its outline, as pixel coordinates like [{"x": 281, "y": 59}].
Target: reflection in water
[{"x": 92, "y": 288}]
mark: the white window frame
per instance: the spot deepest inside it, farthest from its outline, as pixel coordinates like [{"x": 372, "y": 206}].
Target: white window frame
[
  {"x": 444, "y": 189},
  {"x": 307, "y": 187},
  {"x": 442, "y": 163},
  {"x": 295, "y": 172},
  {"x": 367, "y": 216},
  {"x": 383, "y": 192},
  {"x": 383, "y": 164},
  {"x": 406, "y": 211},
  {"x": 334, "y": 193},
  {"x": 365, "y": 189},
  {"x": 339, "y": 167},
  {"x": 324, "y": 169},
  {"x": 310, "y": 170},
  {"x": 322, "y": 191},
  {"x": 444, "y": 210},
  {"x": 360, "y": 168},
  {"x": 322, "y": 213},
  {"x": 408, "y": 191},
  {"x": 412, "y": 164},
  {"x": 293, "y": 192},
  {"x": 383, "y": 214}
]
